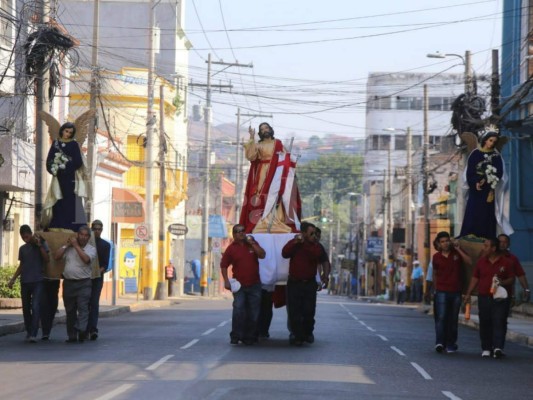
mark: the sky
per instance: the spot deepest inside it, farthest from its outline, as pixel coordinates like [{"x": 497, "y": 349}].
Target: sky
[{"x": 311, "y": 58}]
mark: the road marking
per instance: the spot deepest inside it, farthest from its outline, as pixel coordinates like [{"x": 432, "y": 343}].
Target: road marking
[
  {"x": 362, "y": 323},
  {"x": 157, "y": 364},
  {"x": 421, "y": 371},
  {"x": 121, "y": 389},
  {"x": 370, "y": 329},
  {"x": 207, "y": 332},
  {"x": 354, "y": 317},
  {"x": 223, "y": 323},
  {"x": 397, "y": 350},
  {"x": 190, "y": 344},
  {"x": 383, "y": 338},
  {"x": 450, "y": 395}
]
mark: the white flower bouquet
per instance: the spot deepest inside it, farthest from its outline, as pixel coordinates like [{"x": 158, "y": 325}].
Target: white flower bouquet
[
  {"x": 492, "y": 178},
  {"x": 60, "y": 162}
]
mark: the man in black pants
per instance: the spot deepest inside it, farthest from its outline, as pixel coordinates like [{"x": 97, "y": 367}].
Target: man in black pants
[
  {"x": 103, "y": 248},
  {"x": 304, "y": 253}
]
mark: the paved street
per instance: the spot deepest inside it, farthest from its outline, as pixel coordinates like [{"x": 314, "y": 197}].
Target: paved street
[{"x": 362, "y": 350}]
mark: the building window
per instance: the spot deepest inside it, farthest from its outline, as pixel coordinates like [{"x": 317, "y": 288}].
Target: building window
[
  {"x": 417, "y": 141},
  {"x": 400, "y": 142},
  {"x": 384, "y": 142}
]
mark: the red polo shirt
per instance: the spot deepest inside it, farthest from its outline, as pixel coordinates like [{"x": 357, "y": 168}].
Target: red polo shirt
[
  {"x": 485, "y": 270},
  {"x": 304, "y": 259},
  {"x": 447, "y": 271},
  {"x": 244, "y": 261}
]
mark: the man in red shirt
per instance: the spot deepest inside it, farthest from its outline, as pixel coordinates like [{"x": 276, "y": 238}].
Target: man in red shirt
[
  {"x": 447, "y": 272},
  {"x": 304, "y": 253},
  {"x": 492, "y": 312},
  {"x": 243, "y": 254},
  {"x": 505, "y": 242}
]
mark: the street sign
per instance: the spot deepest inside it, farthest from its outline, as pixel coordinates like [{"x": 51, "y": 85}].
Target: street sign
[
  {"x": 141, "y": 234},
  {"x": 178, "y": 229},
  {"x": 374, "y": 245}
]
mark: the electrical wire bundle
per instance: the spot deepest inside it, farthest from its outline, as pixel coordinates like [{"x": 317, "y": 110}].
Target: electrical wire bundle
[{"x": 46, "y": 49}]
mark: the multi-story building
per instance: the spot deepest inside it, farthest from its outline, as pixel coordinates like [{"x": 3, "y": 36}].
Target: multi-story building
[{"x": 395, "y": 104}]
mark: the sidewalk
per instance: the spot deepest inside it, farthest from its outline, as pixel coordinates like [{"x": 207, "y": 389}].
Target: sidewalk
[
  {"x": 519, "y": 324},
  {"x": 11, "y": 320}
]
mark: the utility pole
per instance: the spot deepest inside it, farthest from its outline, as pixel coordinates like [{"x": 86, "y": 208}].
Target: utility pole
[
  {"x": 206, "y": 270},
  {"x": 41, "y": 139},
  {"x": 240, "y": 162},
  {"x": 425, "y": 170},
  {"x": 94, "y": 93},
  {"x": 161, "y": 291},
  {"x": 149, "y": 158},
  {"x": 409, "y": 176}
]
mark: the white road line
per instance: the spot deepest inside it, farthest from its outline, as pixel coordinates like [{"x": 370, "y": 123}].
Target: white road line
[
  {"x": 450, "y": 395},
  {"x": 121, "y": 389},
  {"x": 383, "y": 338},
  {"x": 354, "y": 317},
  {"x": 421, "y": 371},
  {"x": 190, "y": 344},
  {"x": 223, "y": 323},
  {"x": 157, "y": 364},
  {"x": 397, "y": 350},
  {"x": 207, "y": 332},
  {"x": 362, "y": 323},
  {"x": 370, "y": 329}
]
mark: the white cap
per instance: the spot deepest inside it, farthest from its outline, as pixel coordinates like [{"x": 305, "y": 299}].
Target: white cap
[{"x": 235, "y": 285}]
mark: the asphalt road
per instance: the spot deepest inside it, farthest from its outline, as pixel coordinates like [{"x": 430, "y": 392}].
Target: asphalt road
[{"x": 362, "y": 351}]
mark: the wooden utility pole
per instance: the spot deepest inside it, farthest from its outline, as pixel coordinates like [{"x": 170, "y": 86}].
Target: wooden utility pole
[
  {"x": 161, "y": 291},
  {"x": 91, "y": 134},
  {"x": 149, "y": 159},
  {"x": 425, "y": 171},
  {"x": 409, "y": 177},
  {"x": 41, "y": 138}
]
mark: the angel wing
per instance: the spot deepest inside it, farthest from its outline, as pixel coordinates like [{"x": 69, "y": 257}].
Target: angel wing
[
  {"x": 82, "y": 126},
  {"x": 502, "y": 141},
  {"x": 52, "y": 124},
  {"x": 470, "y": 139}
]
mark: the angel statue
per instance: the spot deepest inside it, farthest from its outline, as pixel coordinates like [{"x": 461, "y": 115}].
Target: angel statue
[
  {"x": 63, "y": 207},
  {"x": 486, "y": 181}
]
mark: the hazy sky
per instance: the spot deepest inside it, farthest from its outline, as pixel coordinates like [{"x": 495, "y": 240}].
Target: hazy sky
[{"x": 311, "y": 58}]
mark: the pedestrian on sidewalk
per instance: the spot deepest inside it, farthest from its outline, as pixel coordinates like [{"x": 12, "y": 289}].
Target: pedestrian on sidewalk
[
  {"x": 243, "y": 255},
  {"x": 170, "y": 277},
  {"x": 33, "y": 255},
  {"x": 417, "y": 277},
  {"x": 103, "y": 249},
  {"x": 447, "y": 280},
  {"x": 78, "y": 255},
  {"x": 492, "y": 312},
  {"x": 304, "y": 253}
]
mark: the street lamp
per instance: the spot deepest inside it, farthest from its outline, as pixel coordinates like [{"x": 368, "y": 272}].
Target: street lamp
[{"x": 466, "y": 62}]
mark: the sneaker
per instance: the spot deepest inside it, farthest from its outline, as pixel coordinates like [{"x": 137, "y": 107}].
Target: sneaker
[
  {"x": 485, "y": 354},
  {"x": 439, "y": 348},
  {"x": 234, "y": 341},
  {"x": 310, "y": 338},
  {"x": 93, "y": 335},
  {"x": 498, "y": 353},
  {"x": 32, "y": 339},
  {"x": 45, "y": 337},
  {"x": 452, "y": 349}
]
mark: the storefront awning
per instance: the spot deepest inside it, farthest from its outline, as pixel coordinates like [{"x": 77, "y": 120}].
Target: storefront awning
[{"x": 128, "y": 207}]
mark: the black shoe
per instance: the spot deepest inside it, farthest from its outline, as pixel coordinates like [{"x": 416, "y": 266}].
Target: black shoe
[
  {"x": 93, "y": 335},
  {"x": 81, "y": 337},
  {"x": 234, "y": 341},
  {"x": 310, "y": 338},
  {"x": 71, "y": 340},
  {"x": 248, "y": 342},
  {"x": 45, "y": 337},
  {"x": 292, "y": 339}
]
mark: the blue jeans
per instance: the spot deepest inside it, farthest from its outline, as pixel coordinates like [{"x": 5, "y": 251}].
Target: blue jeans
[
  {"x": 94, "y": 304},
  {"x": 246, "y": 306},
  {"x": 31, "y": 306},
  {"x": 492, "y": 322},
  {"x": 447, "y": 305}
]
